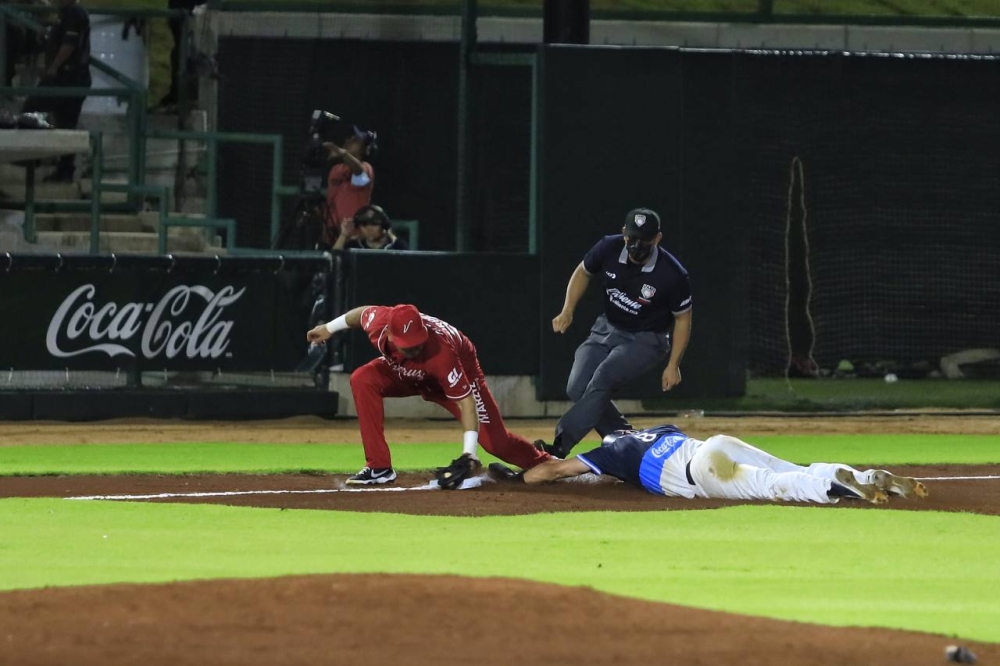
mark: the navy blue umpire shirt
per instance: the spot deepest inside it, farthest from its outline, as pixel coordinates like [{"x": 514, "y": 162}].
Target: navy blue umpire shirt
[{"x": 639, "y": 297}]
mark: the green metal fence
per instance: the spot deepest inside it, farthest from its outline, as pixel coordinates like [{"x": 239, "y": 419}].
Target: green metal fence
[
  {"x": 135, "y": 94},
  {"x": 755, "y": 11}
]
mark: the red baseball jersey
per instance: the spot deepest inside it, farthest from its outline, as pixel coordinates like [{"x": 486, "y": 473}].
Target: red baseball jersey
[
  {"x": 439, "y": 367},
  {"x": 343, "y": 197}
]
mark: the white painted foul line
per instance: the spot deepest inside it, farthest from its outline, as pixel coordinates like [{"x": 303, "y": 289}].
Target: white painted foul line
[
  {"x": 474, "y": 482},
  {"x": 956, "y": 478}
]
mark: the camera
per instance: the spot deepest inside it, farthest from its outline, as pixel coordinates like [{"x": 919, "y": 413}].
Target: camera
[{"x": 315, "y": 164}]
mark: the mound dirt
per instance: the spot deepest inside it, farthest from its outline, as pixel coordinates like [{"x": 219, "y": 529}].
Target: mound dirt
[{"x": 418, "y": 620}]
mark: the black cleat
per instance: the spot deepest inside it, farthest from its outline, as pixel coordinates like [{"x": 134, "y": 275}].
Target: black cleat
[
  {"x": 500, "y": 472},
  {"x": 370, "y": 477}
]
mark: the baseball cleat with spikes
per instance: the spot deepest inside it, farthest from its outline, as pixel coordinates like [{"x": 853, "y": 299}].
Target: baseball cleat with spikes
[
  {"x": 903, "y": 486},
  {"x": 866, "y": 491},
  {"x": 500, "y": 472}
]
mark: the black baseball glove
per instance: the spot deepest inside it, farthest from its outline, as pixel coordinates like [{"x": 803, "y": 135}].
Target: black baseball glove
[{"x": 461, "y": 468}]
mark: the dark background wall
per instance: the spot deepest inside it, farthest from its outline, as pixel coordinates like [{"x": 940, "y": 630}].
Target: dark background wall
[
  {"x": 492, "y": 298},
  {"x": 846, "y": 201},
  {"x": 407, "y": 92}
]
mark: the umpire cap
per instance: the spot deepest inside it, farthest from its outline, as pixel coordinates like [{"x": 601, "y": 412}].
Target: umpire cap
[{"x": 642, "y": 223}]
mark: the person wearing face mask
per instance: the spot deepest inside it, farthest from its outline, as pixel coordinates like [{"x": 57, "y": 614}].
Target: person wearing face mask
[{"x": 646, "y": 320}]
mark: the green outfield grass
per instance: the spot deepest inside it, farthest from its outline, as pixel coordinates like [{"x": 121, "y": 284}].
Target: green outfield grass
[
  {"x": 867, "y": 568},
  {"x": 277, "y": 458},
  {"x": 839, "y": 395}
]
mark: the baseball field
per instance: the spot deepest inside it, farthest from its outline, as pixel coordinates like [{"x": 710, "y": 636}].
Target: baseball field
[{"x": 194, "y": 542}]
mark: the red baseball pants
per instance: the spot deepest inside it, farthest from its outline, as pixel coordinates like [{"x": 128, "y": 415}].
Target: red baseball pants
[{"x": 376, "y": 380}]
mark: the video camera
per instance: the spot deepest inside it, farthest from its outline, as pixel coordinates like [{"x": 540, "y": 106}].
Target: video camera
[{"x": 315, "y": 164}]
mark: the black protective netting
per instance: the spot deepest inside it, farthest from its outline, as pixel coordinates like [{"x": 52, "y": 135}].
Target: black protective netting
[{"x": 897, "y": 200}]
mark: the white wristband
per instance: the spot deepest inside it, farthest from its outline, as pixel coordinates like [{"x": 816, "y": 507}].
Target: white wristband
[
  {"x": 470, "y": 440},
  {"x": 338, "y": 324}
]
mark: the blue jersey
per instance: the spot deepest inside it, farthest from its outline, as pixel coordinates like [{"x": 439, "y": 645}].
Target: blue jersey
[
  {"x": 639, "y": 297},
  {"x": 641, "y": 459}
]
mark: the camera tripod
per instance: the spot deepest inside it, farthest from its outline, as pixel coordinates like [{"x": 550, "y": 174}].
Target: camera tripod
[{"x": 304, "y": 229}]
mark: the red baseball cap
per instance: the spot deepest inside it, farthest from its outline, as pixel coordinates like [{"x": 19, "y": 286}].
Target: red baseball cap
[{"x": 406, "y": 327}]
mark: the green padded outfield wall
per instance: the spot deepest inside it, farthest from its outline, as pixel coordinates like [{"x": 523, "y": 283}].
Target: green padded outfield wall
[{"x": 623, "y": 128}]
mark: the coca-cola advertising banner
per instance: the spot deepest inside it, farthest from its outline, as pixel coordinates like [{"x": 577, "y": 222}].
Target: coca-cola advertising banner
[{"x": 189, "y": 315}]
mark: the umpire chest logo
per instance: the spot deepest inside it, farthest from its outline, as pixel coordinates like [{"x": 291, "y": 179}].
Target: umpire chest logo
[{"x": 648, "y": 292}]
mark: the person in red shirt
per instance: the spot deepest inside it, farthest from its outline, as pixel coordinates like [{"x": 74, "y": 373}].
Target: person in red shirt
[
  {"x": 350, "y": 181},
  {"x": 422, "y": 355}
]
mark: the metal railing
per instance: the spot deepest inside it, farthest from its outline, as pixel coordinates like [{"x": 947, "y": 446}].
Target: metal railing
[
  {"x": 761, "y": 11},
  {"x": 213, "y": 139}
]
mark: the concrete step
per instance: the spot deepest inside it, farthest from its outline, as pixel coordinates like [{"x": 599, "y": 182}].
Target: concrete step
[
  {"x": 193, "y": 205},
  {"x": 197, "y": 121},
  {"x": 178, "y": 240},
  {"x": 12, "y": 185},
  {"x": 86, "y": 187}
]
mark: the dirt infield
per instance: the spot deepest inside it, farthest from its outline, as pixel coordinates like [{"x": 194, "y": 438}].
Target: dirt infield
[
  {"x": 430, "y": 619},
  {"x": 300, "y": 491}
]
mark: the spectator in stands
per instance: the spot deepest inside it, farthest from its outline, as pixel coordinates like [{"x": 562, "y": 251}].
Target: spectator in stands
[
  {"x": 350, "y": 181},
  {"x": 369, "y": 229},
  {"x": 67, "y": 65},
  {"x": 176, "y": 26}
]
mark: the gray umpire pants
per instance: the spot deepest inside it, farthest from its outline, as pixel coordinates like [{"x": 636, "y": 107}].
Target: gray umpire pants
[{"x": 606, "y": 361}]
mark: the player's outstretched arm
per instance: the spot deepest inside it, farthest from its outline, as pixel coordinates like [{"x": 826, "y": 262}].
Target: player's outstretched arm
[
  {"x": 323, "y": 332},
  {"x": 553, "y": 470},
  {"x": 467, "y": 464}
]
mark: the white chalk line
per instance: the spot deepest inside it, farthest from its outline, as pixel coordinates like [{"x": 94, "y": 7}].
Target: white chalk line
[
  {"x": 956, "y": 478},
  {"x": 474, "y": 482}
]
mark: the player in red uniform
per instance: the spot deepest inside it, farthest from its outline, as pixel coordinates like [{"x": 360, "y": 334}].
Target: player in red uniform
[{"x": 422, "y": 355}]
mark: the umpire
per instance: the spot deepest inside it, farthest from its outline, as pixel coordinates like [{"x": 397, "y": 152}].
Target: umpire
[
  {"x": 647, "y": 306},
  {"x": 67, "y": 60}
]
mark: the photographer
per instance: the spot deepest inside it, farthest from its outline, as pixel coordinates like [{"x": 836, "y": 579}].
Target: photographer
[
  {"x": 350, "y": 181},
  {"x": 370, "y": 229}
]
